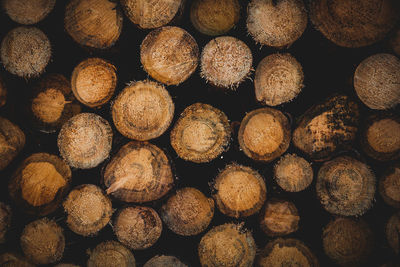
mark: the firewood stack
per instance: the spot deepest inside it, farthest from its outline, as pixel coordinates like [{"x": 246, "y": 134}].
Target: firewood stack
[{"x": 213, "y": 133}]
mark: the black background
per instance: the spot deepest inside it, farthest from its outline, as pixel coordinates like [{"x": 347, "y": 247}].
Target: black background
[{"x": 328, "y": 69}]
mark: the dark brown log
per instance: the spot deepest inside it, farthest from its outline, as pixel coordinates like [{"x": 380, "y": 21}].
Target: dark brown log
[
  {"x": 239, "y": 191},
  {"x": 43, "y": 241},
  {"x": 279, "y": 217},
  {"x": 164, "y": 261},
  {"x": 66, "y": 265},
  {"x": 264, "y": 134},
  {"x": 381, "y": 137},
  {"x": 52, "y": 103},
  {"x": 376, "y": 81},
  {"x": 40, "y": 183},
  {"x": 88, "y": 209},
  {"x": 327, "y": 128},
  {"x": 93, "y": 23},
  {"x": 227, "y": 245},
  {"x": 226, "y": 62},
  {"x": 152, "y": 14},
  {"x": 25, "y": 51},
  {"x": 85, "y": 140},
  {"x": 10, "y": 259},
  {"x": 201, "y": 133},
  {"x": 28, "y": 11},
  {"x": 278, "y": 79},
  {"x": 12, "y": 140},
  {"x": 93, "y": 81},
  {"x": 293, "y": 173},
  {"x": 138, "y": 227},
  {"x": 169, "y": 55},
  {"x": 5, "y": 221},
  {"x": 214, "y": 17},
  {"x": 393, "y": 232},
  {"x": 286, "y": 252},
  {"x": 395, "y": 42},
  {"x": 389, "y": 186},
  {"x": 348, "y": 242},
  {"x": 354, "y": 23},
  {"x": 140, "y": 172},
  {"x": 188, "y": 212},
  {"x": 276, "y": 23},
  {"x": 111, "y": 254},
  {"x": 143, "y": 110},
  {"x": 346, "y": 186}
]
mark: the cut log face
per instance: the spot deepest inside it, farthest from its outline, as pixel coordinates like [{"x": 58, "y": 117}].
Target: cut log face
[
  {"x": 88, "y": 209},
  {"x": 293, "y": 173},
  {"x": 25, "y": 52},
  {"x": 150, "y": 14},
  {"x": 355, "y": 23},
  {"x": 169, "y": 54},
  {"x": 380, "y": 138},
  {"x": 346, "y": 186},
  {"x": 276, "y": 23},
  {"x": 28, "y": 11},
  {"x": 279, "y": 218},
  {"x": 377, "y": 81},
  {"x": 85, "y": 140},
  {"x": 5, "y": 221},
  {"x": 93, "y": 23},
  {"x": 214, "y": 17},
  {"x": 40, "y": 183},
  {"x": 264, "y": 134},
  {"x": 93, "y": 82},
  {"x": 227, "y": 245},
  {"x": 188, "y": 212},
  {"x": 239, "y": 191},
  {"x": 286, "y": 252},
  {"x": 53, "y": 103},
  {"x": 278, "y": 79},
  {"x": 164, "y": 261},
  {"x": 393, "y": 232},
  {"x": 12, "y": 141},
  {"x": 111, "y": 253},
  {"x": 10, "y": 259},
  {"x": 143, "y": 110},
  {"x": 43, "y": 241},
  {"x": 140, "y": 172},
  {"x": 326, "y": 129},
  {"x": 226, "y": 62},
  {"x": 201, "y": 133},
  {"x": 138, "y": 227},
  {"x": 389, "y": 186},
  {"x": 348, "y": 242}
]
